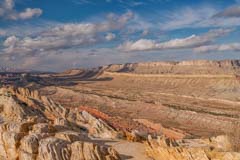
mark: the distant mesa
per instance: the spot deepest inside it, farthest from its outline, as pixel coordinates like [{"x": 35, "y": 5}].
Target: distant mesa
[{"x": 182, "y": 67}]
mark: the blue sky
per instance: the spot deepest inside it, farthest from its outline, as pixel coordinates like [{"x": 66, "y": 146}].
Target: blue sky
[{"x": 60, "y": 34}]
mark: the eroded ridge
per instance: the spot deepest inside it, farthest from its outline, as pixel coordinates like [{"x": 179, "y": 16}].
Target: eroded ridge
[
  {"x": 216, "y": 148},
  {"x": 34, "y": 127}
]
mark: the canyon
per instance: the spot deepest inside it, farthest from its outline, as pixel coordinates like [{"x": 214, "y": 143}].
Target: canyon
[{"x": 153, "y": 110}]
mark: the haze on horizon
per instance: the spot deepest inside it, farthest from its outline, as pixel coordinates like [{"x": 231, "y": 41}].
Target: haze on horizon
[{"x": 60, "y": 34}]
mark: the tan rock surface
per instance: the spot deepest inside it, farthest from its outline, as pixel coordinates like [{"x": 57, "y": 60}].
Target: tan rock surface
[
  {"x": 167, "y": 149},
  {"x": 90, "y": 151},
  {"x": 181, "y": 100},
  {"x": 28, "y": 132}
]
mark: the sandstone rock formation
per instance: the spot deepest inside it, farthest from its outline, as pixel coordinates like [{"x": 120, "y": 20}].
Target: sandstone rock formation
[
  {"x": 72, "y": 113},
  {"x": 190, "y": 149},
  {"x": 33, "y": 127},
  {"x": 128, "y": 129}
]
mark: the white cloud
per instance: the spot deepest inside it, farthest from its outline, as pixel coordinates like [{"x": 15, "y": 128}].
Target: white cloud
[
  {"x": 201, "y": 17},
  {"x": 10, "y": 41},
  {"x": 61, "y": 46},
  {"x": 140, "y": 45},
  {"x": 188, "y": 42},
  {"x": 29, "y": 13},
  {"x": 185, "y": 17},
  {"x": 28, "y": 29},
  {"x": 113, "y": 22},
  {"x": 218, "y": 47},
  {"x": 30, "y": 45},
  {"x": 110, "y": 36},
  {"x": 7, "y": 11},
  {"x": 66, "y": 36}
]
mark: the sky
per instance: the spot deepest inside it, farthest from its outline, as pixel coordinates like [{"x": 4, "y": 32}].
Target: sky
[{"x": 54, "y": 35}]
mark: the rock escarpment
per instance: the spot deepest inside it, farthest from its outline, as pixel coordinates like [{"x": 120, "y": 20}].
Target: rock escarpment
[
  {"x": 34, "y": 127},
  {"x": 183, "y": 67}
]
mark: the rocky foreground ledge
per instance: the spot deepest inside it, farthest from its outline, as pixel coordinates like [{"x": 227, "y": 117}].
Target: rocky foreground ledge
[{"x": 33, "y": 127}]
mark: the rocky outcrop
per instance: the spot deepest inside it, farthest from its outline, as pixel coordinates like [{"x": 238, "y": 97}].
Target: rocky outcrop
[
  {"x": 41, "y": 108},
  {"x": 92, "y": 151},
  {"x": 131, "y": 130},
  {"x": 33, "y": 127},
  {"x": 97, "y": 127},
  {"x": 189, "y": 149}
]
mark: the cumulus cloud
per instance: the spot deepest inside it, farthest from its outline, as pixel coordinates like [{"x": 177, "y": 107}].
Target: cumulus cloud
[
  {"x": 113, "y": 22},
  {"x": 7, "y": 11},
  {"x": 11, "y": 41},
  {"x": 66, "y": 36},
  {"x": 233, "y": 11},
  {"x": 30, "y": 45},
  {"x": 29, "y": 13},
  {"x": 221, "y": 47},
  {"x": 110, "y": 36},
  {"x": 188, "y": 42},
  {"x": 62, "y": 46}
]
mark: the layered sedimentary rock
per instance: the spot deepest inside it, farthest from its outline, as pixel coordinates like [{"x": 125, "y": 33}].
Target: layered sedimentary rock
[
  {"x": 183, "y": 67},
  {"x": 33, "y": 127},
  {"x": 198, "y": 97},
  {"x": 180, "y": 100},
  {"x": 190, "y": 149}
]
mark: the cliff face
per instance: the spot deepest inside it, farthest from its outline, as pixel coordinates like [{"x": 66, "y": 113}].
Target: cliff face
[
  {"x": 34, "y": 127},
  {"x": 183, "y": 67}
]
